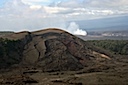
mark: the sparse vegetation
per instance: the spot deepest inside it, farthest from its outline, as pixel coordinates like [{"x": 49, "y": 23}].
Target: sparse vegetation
[
  {"x": 57, "y": 58},
  {"x": 9, "y": 52},
  {"x": 116, "y": 46},
  {"x": 3, "y": 33}
]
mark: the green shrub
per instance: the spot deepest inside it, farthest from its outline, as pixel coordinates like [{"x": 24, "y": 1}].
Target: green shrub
[{"x": 116, "y": 46}]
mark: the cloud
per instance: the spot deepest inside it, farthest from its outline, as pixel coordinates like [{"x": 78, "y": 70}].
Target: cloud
[
  {"x": 35, "y": 7},
  {"x": 59, "y": 10},
  {"x": 68, "y": 8},
  {"x": 70, "y": 3},
  {"x": 106, "y": 3},
  {"x": 97, "y": 8},
  {"x": 15, "y": 4},
  {"x": 92, "y": 3},
  {"x": 31, "y": 14},
  {"x": 37, "y": 2}
]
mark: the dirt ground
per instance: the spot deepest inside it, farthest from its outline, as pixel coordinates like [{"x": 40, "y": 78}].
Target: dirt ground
[{"x": 116, "y": 74}]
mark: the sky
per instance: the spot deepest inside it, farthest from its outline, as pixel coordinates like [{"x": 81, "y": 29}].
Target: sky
[{"x": 19, "y": 15}]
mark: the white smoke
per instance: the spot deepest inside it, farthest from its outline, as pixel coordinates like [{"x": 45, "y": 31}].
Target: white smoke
[{"x": 74, "y": 29}]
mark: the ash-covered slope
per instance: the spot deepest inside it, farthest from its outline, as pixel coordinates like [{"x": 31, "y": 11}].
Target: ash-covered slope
[{"x": 54, "y": 50}]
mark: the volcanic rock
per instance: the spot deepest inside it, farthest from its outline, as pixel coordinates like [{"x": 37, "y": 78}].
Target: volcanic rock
[{"x": 53, "y": 50}]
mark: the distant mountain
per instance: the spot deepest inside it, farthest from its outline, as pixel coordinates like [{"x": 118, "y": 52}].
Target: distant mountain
[
  {"x": 105, "y": 24},
  {"x": 50, "y": 49}
]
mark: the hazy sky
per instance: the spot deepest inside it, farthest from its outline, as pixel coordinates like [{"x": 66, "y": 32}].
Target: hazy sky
[{"x": 17, "y": 15}]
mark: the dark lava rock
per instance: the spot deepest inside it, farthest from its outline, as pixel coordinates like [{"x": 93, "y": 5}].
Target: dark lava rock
[{"x": 52, "y": 50}]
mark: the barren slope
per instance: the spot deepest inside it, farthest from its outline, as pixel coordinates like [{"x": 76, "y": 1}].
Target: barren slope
[{"x": 55, "y": 50}]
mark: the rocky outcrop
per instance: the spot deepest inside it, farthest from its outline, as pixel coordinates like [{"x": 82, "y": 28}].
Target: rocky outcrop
[{"x": 53, "y": 50}]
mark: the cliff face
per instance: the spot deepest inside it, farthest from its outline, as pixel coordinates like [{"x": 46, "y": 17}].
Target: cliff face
[{"x": 53, "y": 50}]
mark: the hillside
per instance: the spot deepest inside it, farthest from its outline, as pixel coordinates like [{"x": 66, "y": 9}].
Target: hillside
[
  {"x": 3, "y": 33},
  {"x": 50, "y": 49},
  {"x": 115, "y": 46},
  {"x": 55, "y": 57}
]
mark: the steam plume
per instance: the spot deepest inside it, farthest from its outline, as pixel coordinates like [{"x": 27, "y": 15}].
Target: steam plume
[{"x": 74, "y": 29}]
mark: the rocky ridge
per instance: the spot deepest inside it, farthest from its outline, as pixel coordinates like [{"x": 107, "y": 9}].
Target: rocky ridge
[{"x": 54, "y": 50}]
